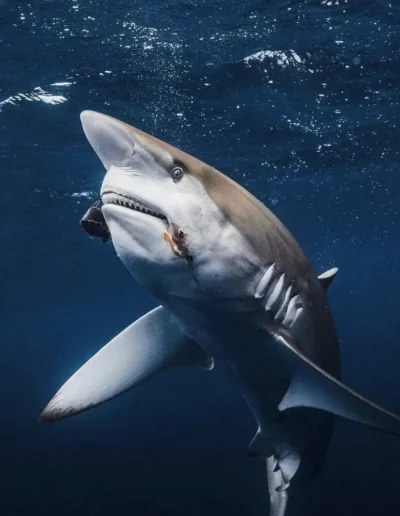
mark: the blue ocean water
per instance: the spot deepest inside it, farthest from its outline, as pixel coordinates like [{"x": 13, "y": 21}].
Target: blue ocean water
[{"x": 296, "y": 100}]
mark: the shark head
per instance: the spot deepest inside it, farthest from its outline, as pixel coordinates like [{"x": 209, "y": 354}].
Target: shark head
[
  {"x": 155, "y": 202},
  {"x": 176, "y": 222}
]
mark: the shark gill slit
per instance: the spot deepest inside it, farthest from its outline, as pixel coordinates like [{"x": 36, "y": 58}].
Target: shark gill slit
[{"x": 276, "y": 298}]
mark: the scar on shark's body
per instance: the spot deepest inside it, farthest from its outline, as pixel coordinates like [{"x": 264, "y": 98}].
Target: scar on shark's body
[{"x": 256, "y": 303}]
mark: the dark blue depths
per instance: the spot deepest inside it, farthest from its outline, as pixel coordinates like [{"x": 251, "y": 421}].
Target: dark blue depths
[{"x": 296, "y": 100}]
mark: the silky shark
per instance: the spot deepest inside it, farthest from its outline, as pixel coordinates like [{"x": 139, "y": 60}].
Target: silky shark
[{"x": 234, "y": 287}]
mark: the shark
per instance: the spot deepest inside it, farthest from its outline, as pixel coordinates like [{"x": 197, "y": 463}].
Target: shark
[{"x": 234, "y": 288}]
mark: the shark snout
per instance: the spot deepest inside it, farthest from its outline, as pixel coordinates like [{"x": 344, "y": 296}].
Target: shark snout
[{"x": 110, "y": 139}]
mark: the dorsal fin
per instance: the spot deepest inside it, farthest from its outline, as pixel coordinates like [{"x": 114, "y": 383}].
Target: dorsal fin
[{"x": 326, "y": 278}]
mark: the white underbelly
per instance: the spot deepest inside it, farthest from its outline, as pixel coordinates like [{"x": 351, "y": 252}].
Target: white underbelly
[{"x": 247, "y": 352}]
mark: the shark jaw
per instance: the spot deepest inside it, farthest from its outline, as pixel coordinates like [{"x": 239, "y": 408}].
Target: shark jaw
[
  {"x": 172, "y": 235},
  {"x": 134, "y": 220}
]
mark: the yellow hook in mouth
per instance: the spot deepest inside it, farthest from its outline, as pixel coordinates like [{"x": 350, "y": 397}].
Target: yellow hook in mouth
[
  {"x": 174, "y": 249},
  {"x": 178, "y": 245}
]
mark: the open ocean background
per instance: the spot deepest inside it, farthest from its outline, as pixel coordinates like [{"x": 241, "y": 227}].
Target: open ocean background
[{"x": 296, "y": 100}]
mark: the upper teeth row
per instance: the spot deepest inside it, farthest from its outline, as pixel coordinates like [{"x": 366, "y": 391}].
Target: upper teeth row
[{"x": 134, "y": 205}]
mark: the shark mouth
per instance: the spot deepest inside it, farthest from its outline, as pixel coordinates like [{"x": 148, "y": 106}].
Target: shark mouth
[{"x": 127, "y": 201}]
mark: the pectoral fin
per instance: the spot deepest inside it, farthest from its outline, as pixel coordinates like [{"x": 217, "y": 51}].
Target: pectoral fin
[
  {"x": 312, "y": 387},
  {"x": 150, "y": 345}
]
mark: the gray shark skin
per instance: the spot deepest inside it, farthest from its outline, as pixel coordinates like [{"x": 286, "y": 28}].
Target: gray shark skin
[{"x": 234, "y": 287}]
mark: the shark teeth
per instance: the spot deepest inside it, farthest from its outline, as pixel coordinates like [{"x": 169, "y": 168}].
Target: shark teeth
[{"x": 126, "y": 201}]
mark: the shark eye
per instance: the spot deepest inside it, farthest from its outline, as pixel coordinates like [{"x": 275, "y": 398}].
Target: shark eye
[{"x": 177, "y": 173}]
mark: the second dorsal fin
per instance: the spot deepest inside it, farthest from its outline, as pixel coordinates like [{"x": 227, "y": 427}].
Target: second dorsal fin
[{"x": 326, "y": 278}]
